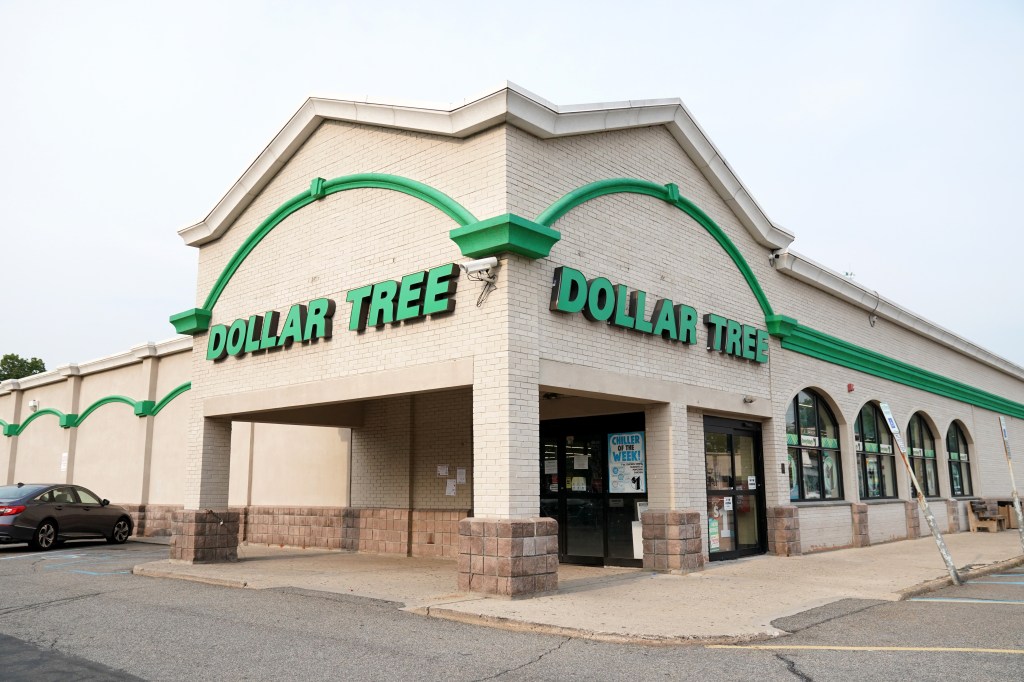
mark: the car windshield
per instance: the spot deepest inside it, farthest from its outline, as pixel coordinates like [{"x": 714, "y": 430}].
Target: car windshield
[{"x": 13, "y": 492}]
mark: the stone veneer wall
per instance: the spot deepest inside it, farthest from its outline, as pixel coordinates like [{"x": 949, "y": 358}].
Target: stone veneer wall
[
  {"x": 152, "y": 520},
  {"x": 859, "y": 520},
  {"x": 417, "y": 532},
  {"x": 784, "y": 530},
  {"x": 204, "y": 536},
  {"x": 672, "y": 541},
  {"x": 508, "y": 558}
]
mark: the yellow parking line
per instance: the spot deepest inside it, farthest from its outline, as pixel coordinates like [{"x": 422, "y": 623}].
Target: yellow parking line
[{"x": 939, "y": 649}]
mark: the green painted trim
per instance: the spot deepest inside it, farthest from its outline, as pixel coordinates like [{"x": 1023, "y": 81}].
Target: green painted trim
[
  {"x": 169, "y": 397},
  {"x": 816, "y": 344},
  {"x": 191, "y": 321},
  {"x": 669, "y": 194},
  {"x": 780, "y": 325},
  {"x": 141, "y": 408},
  {"x": 16, "y": 429},
  {"x": 505, "y": 233},
  {"x": 101, "y": 402}
]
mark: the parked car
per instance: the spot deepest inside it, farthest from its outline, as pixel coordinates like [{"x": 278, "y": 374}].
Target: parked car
[{"x": 47, "y": 514}]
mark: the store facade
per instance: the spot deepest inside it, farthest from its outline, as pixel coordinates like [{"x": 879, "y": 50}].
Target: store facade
[{"x": 647, "y": 375}]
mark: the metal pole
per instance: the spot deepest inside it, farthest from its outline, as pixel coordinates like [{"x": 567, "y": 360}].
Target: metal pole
[
  {"x": 1013, "y": 484},
  {"x": 921, "y": 501}
]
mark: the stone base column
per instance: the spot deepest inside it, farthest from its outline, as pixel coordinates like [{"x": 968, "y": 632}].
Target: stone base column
[
  {"x": 953, "y": 514},
  {"x": 672, "y": 541},
  {"x": 508, "y": 557},
  {"x": 859, "y": 514},
  {"x": 913, "y": 520},
  {"x": 204, "y": 536},
  {"x": 784, "y": 531}
]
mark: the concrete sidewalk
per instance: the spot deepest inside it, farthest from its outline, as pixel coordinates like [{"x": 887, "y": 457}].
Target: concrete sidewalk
[{"x": 733, "y": 600}]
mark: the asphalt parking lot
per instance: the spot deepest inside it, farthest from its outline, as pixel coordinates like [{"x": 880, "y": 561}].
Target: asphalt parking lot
[{"x": 78, "y": 613}]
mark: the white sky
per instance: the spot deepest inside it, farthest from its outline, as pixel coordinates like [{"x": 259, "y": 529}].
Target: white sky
[{"x": 886, "y": 136}]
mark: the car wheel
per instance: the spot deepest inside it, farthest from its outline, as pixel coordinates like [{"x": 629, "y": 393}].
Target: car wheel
[
  {"x": 122, "y": 529},
  {"x": 45, "y": 536}
]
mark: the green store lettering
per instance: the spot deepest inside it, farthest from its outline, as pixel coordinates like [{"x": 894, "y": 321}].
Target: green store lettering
[
  {"x": 304, "y": 323},
  {"x": 601, "y": 301}
]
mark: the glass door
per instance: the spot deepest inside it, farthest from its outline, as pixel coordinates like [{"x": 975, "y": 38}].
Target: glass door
[
  {"x": 735, "y": 474},
  {"x": 598, "y": 524}
]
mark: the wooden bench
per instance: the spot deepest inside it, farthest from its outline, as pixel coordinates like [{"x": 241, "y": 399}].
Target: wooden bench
[{"x": 983, "y": 514}]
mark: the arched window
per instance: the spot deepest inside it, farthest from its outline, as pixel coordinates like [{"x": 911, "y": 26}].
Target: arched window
[
  {"x": 812, "y": 436},
  {"x": 921, "y": 444},
  {"x": 876, "y": 461},
  {"x": 959, "y": 462}
]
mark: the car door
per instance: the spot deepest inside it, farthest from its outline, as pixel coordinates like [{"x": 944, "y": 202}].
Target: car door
[
  {"x": 93, "y": 517},
  {"x": 66, "y": 511}
]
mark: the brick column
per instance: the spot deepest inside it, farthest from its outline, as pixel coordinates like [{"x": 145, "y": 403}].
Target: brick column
[
  {"x": 784, "y": 531},
  {"x": 672, "y": 541},
  {"x": 672, "y": 484},
  {"x": 204, "y": 536},
  {"x": 953, "y": 514},
  {"x": 913, "y": 520},
  {"x": 144, "y": 438},
  {"x": 205, "y": 530},
  {"x": 508, "y": 558},
  {"x": 859, "y": 518}
]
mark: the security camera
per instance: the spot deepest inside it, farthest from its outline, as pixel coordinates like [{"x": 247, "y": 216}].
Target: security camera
[{"x": 475, "y": 266}]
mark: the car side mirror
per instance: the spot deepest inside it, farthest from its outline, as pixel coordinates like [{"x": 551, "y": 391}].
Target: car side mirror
[{"x": 104, "y": 503}]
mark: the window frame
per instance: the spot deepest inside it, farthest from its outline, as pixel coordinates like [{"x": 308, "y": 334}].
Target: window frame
[
  {"x": 912, "y": 444},
  {"x": 963, "y": 461},
  {"x": 795, "y": 451},
  {"x": 862, "y": 453}
]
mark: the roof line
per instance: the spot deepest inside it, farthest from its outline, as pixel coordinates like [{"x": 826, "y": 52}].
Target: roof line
[{"x": 510, "y": 104}]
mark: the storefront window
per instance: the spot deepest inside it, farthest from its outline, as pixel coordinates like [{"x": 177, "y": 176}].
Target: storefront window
[
  {"x": 812, "y": 437},
  {"x": 959, "y": 462},
  {"x": 921, "y": 446},
  {"x": 876, "y": 460}
]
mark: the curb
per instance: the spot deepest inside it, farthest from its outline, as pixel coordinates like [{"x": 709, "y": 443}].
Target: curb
[
  {"x": 174, "y": 575},
  {"x": 499, "y": 622},
  {"x": 939, "y": 583}
]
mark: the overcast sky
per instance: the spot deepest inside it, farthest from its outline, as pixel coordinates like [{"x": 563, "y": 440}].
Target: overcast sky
[{"x": 886, "y": 136}]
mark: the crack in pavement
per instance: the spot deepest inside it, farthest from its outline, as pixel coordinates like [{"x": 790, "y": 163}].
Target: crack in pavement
[
  {"x": 520, "y": 667},
  {"x": 63, "y": 600},
  {"x": 791, "y": 666}
]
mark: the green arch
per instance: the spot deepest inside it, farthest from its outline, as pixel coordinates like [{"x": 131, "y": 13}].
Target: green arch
[
  {"x": 169, "y": 397},
  {"x": 669, "y": 194},
  {"x": 104, "y": 401},
  {"x": 318, "y": 189},
  {"x": 18, "y": 428},
  {"x": 142, "y": 408}
]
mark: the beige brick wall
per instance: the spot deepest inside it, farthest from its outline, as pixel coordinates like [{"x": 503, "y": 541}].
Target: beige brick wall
[
  {"x": 824, "y": 528},
  {"x": 887, "y": 522}
]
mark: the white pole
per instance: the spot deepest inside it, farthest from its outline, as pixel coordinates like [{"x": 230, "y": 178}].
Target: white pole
[
  {"x": 921, "y": 501},
  {"x": 1013, "y": 484}
]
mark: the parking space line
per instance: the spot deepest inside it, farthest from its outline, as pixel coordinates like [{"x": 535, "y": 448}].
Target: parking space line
[
  {"x": 99, "y": 572},
  {"x": 967, "y": 600},
  {"x": 807, "y": 647},
  {"x": 995, "y": 582}
]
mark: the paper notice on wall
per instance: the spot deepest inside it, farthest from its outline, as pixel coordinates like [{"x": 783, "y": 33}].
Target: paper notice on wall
[
  {"x": 751, "y": 482},
  {"x": 63, "y": 461},
  {"x": 550, "y": 466},
  {"x": 727, "y": 504},
  {"x": 442, "y": 470},
  {"x": 450, "y": 488},
  {"x": 460, "y": 476},
  {"x": 714, "y": 540},
  {"x": 579, "y": 484},
  {"x": 581, "y": 462}
]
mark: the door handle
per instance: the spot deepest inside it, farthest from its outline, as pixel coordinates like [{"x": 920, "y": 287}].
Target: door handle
[{"x": 59, "y": 508}]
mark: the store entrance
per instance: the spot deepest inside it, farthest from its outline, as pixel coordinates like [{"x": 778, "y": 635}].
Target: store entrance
[
  {"x": 593, "y": 481},
  {"x": 734, "y": 464}
]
